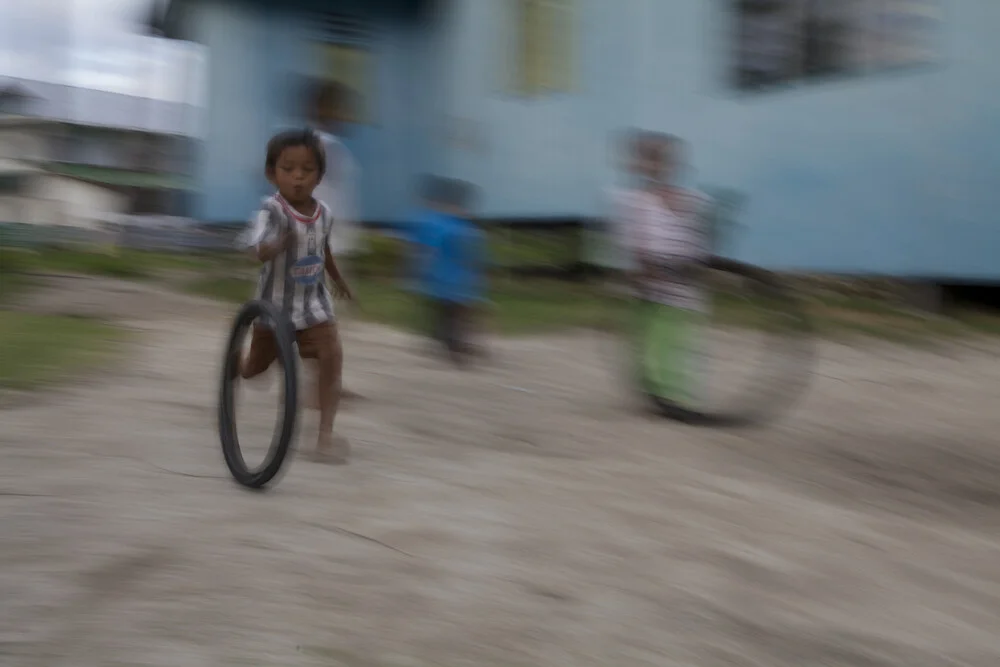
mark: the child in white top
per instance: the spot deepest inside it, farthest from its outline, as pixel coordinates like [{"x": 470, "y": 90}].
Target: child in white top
[
  {"x": 661, "y": 224},
  {"x": 290, "y": 236}
]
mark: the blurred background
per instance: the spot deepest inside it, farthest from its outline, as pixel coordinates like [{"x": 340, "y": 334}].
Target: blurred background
[
  {"x": 849, "y": 138},
  {"x": 850, "y": 144},
  {"x": 525, "y": 513},
  {"x": 858, "y": 132}
]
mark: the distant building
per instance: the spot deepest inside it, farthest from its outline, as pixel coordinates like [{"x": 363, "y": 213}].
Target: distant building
[
  {"x": 863, "y": 135},
  {"x": 30, "y": 195},
  {"x": 58, "y": 171},
  {"x": 15, "y": 100}
]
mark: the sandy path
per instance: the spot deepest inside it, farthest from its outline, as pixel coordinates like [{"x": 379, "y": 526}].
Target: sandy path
[{"x": 523, "y": 517}]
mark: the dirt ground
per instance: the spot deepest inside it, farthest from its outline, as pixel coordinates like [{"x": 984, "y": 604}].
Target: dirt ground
[{"x": 518, "y": 516}]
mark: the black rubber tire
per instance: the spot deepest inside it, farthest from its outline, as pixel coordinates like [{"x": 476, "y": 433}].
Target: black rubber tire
[
  {"x": 285, "y": 431},
  {"x": 787, "y": 358}
]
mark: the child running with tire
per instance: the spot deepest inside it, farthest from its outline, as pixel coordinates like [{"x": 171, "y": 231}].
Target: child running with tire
[
  {"x": 662, "y": 223},
  {"x": 291, "y": 236}
]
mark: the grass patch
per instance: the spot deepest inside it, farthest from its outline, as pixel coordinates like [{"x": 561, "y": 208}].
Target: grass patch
[
  {"x": 39, "y": 349},
  {"x": 113, "y": 265},
  {"x": 12, "y": 284},
  {"x": 228, "y": 289},
  {"x": 125, "y": 264},
  {"x": 519, "y": 308},
  {"x": 535, "y": 305},
  {"x": 539, "y": 306},
  {"x": 512, "y": 247}
]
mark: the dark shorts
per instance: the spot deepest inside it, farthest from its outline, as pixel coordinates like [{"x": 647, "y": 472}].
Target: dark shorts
[
  {"x": 316, "y": 342},
  {"x": 449, "y": 323}
]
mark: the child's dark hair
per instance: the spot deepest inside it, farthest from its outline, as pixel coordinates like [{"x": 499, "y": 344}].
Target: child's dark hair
[
  {"x": 448, "y": 192},
  {"x": 292, "y": 139},
  {"x": 328, "y": 94}
]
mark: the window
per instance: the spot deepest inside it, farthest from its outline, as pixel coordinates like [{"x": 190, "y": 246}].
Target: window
[
  {"x": 11, "y": 184},
  {"x": 349, "y": 66},
  {"x": 543, "y": 48},
  {"x": 345, "y": 58},
  {"x": 786, "y": 41}
]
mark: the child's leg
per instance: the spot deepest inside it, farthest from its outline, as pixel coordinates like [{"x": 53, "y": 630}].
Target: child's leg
[
  {"x": 346, "y": 310},
  {"x": 310, "y": 384},
  {"x": 263, "y": 351},
  {"x": 435, "y": 320},
  {"x": 667, "y": 352},
  {"x": 462, "y": 331},
  {"x": 451, "y": 328},
  {"x": 466, "y": 328},
  {"x": 322, "y": 343}
]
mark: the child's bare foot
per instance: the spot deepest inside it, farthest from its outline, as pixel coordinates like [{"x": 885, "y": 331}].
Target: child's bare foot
[
  {"x": 311, "y": 401},
  {"x": 333, "y": 449},
  {"x": 348, "y": 395},
  {"x": 261, "y": 382},
  {"x": 312, "y": 398}
]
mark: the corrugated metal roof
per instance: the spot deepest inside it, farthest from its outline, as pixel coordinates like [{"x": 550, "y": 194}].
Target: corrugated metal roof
[{"x": 85, "y": 106}]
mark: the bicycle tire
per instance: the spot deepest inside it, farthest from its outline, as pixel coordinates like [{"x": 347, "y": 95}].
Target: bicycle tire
[
  {"x": 788, "y": 359},
  {"x": 288, "y": 359}
]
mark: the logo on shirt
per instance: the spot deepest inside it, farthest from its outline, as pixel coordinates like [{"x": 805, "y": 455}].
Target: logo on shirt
[
  {"x": 311, "y": 241},
  {"x": 307, "y": 271}
]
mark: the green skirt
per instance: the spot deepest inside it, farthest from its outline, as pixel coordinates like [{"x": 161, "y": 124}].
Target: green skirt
[{"x": 665, "y": 349}]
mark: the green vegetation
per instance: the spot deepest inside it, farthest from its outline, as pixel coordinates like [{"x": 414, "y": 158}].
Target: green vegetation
[
  {"x": 535, "y": 306},
  {"x": 518, "y": 305},
  {"x": 518, "y": 308},
  {"x": 38, "y": 349},
  {"x": 121, "y": 177},
  {"x": 125, "y": 264},
  {"x": 534, "y": 248}
]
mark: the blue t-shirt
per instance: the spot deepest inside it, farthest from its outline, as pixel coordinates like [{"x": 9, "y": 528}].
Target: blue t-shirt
[{"x": 448, "y": 257}]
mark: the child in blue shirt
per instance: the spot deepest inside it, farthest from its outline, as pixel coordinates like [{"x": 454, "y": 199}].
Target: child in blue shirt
[{"x": 448, "y": 263}]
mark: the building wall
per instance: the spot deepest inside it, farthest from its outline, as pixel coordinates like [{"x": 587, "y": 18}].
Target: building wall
[
  {"x": 80, "y": 204},
  {"x": 50, "y": 200},
  {"x": 18, "y": 143},
  {"x": 258, "y": 58},
  {"x": 95, "y": 146},
  {"x": 888, "y": 173}
]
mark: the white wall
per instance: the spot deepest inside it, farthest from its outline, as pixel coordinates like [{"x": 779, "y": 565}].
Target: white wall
[
  {"x": 26, "y": 209},
  {"x": 21, "y": 143},
  {"x": 55, "y": 200},
  {"x": 82, "y": 204}
]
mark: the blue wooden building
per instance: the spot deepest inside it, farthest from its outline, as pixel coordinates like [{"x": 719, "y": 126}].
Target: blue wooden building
[{"x": 865, "y": 135}]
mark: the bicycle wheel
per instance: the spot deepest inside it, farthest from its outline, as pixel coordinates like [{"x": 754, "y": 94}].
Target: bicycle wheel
[
  {"x": 265, "y": 314},
  {"x": 743, "y": 361}
]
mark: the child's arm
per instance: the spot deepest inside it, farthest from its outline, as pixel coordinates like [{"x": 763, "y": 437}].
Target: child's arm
[
  {"x": 264, "y": 240},
  {"x": 341, "y": 288},
  {"x": 268, "y": 250}
]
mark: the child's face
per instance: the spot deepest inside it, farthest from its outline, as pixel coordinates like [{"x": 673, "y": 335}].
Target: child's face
[
  {"x": 296, "y": 174},
  {"x": 647, "y": 163},
  {"x": 671, "y": 158}
]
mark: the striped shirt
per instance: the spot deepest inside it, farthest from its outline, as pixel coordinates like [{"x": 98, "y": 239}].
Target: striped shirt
[
  {"x": 664, "y": 233},
  {"x": 294, "y": 281}
]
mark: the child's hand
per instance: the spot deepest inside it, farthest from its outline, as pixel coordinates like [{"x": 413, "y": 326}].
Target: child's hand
[
  {"x": 287, "y": 239},
  {"x": 342, "y": 291}
]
